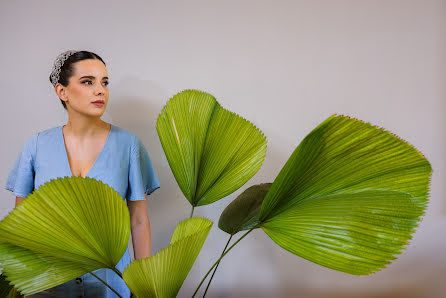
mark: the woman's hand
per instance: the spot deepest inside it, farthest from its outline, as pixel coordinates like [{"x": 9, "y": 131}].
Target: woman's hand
[{"x": 140, "y": 228}]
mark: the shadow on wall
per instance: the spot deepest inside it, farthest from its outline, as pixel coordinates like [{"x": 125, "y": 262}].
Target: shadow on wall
[{"x": 134, "y": 105}]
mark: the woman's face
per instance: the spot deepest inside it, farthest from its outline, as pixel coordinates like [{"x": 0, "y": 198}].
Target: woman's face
[{"x": 88, "y": 84}]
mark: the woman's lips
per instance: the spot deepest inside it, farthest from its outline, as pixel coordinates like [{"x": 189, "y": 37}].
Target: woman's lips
[{"x": 98, "y": 103}]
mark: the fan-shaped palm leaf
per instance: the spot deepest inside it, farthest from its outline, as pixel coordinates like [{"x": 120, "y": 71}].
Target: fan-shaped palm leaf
[
  {"x": 212, "y": 152},
  {"x": 348, "y": 198},
  {"x": 66, "y": 228},
  {"x": 163, "y": 274}
]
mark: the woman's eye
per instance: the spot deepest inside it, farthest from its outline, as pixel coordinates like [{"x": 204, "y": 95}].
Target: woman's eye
[
  {"x": 105, "y": 83},
  {"x": 84, "y": 82}
]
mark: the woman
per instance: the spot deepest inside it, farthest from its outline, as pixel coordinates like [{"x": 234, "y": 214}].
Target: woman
[{"x": 88, "y": 146}]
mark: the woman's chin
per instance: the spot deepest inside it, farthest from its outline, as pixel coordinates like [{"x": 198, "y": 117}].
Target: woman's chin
[{"x": 95, "y": 113}]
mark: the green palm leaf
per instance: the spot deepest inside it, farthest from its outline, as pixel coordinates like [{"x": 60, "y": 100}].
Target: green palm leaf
[
  {"x": 212, "y": 152},
  {"x": 66, "y": 228},
  {"x": 243, "y": 213},
  {"x": 5, "y": 287},
  {"x": 163, "y": 274},
  {"x": 7, "y": 290},
  {"x": 348, "y": 198},
  {"x": 14, "y": 294}
]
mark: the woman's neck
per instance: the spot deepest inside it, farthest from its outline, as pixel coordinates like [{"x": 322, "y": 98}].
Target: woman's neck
[{"x": 85, "y": 127}]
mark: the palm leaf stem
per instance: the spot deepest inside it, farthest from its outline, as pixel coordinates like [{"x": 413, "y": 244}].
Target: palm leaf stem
[
  {"x": 116, "y": 270},
  {"x": 213, "y": 273},
  {"x": 192, "y": 212},
  {"x": 224, "y": 254},
  {"x": 114, "y": 291}
]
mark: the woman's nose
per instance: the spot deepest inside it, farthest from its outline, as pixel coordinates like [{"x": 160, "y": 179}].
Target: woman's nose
[{"x": 100, "y": 89}]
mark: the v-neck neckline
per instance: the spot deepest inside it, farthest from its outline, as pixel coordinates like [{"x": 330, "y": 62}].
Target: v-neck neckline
[{"x": 67, "y": 161}]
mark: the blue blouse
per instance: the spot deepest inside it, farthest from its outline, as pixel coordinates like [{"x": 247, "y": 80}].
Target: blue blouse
[{"x": 123, "y": 164}]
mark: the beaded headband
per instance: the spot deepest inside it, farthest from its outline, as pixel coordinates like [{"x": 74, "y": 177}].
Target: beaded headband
[{"x": 58, "y": 63}]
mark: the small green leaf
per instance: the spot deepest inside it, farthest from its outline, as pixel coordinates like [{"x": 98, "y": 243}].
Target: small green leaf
[
  {"x": 212, "y": 152},
  {"x": 7, "y": 290},
  {"x": 348, "y": 198},
  {"x": 163, "y": 274},
  {"x": 14, "y": 294},
  {"x": 68, "y": 227},
  {"x": 243, "y": 213}
]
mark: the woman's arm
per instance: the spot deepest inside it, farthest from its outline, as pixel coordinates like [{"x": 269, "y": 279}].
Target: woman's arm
[
  {"x": 140, "y": 228},
  {"x": 18, "y": 200}
]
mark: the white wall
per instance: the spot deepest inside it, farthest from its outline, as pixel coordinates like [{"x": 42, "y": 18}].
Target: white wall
[{"x": 284, "y": 65}]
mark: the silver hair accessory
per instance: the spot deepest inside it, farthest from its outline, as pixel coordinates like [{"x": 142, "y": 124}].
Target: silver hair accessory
[{"x": 58, "y": 63}]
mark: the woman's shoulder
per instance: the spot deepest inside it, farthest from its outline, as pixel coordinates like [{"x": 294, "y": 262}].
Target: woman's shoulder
[
  {"x": 50, "y": 131},
  {"x": 125, "y": 136},
  {"x": 43, "y": 135}
]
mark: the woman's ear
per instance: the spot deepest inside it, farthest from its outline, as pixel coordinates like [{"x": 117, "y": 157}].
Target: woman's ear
[{"x": 61, "y": 92}]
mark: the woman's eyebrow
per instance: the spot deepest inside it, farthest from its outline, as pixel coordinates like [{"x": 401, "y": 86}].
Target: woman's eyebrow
[{"x": 91, "y": 77}]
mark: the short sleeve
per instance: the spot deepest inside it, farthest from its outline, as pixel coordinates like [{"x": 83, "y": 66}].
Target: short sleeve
[
  {"x": 142, "y": 176},
  {"x": 21, "y": 177}
]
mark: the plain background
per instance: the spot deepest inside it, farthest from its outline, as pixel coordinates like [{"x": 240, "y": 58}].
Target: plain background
[{"x": 285, "y": 66}]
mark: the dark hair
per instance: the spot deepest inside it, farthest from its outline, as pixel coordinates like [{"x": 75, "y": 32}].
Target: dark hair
[{"x": 67, "y": 69}]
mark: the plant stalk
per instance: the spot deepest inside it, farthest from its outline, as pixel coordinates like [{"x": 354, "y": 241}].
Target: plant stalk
[
  {"x": 213, "y": 273},
  {"x": 114, "y": 291},
  {"x": 116, "y": 270},
  {"x": 192, "y": 212},
  {"x": 224, "y": 254}
]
